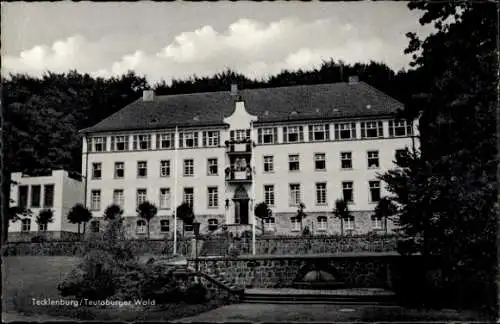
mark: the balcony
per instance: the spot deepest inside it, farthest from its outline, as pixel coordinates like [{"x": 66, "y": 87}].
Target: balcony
[
  {"x": 239, "y": 147},
  {"x": 238, "y": 175}
]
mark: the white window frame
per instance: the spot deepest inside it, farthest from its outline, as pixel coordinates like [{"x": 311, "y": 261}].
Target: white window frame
[
  {"x": 268, "y": 164},
  {"x": 396, "y": 126},
  {"x": 188, "y": 169},
  {"x": 162, "y": 222},
  {"x": 119, "y": 166},
  {"x": 141, "y": 196},
  {"x": 95, "y": 199},
  {"x": 142, "y": 165},
  {"x": 189, "y": 136},
  {"x": 348, "y": 185},
  {"x": 295, "y": 194},
  {"x": 318, "y": 157},
  {"x": 270, "y": 224},
  {"x": 96, "y": 167},
  {"x": 213, "y": 197},
  {"x": 368, "y": 126},
  {"x": 318, "y": 129},
  {"x": 25, "y": 225},
  {"x": 322, "y": 223},
  {"x": 119, "y": 139},
  {"x": 165, "y": 168},
  {"x": 32, "y": 196},
  {"x": 373, "y": 156},
  {"x": 295, "y": 159},
  {"x": 45, "y": 195},
  {"x": 321, "y": 191},
  {"x": 165, "y": 141},
  {"x": 295, "y": 224},
  {"x": 345, "y": 156},
  {"x": 266, "y": 132},
  {"x": 119, "y": 200},
  {"x": 240, "y": 134},
  {"x": 293, "y": 130},
  {"x": 377, "y": 223},
  {"x": 349, "y": 223},
  {"x": 213, "y": 138},
  {"x": 142, "y": 142},
  {"x": 374, "y": 185},
  {"x": 142, "y": 228},
  {"x": 213, "y": 222},
  {"x": 212, "y": 163},
  {"x": 269, "y": 198},
  {"x": 98, "y": 140},
  {"x": 188, "y": 197},
  {"x": 165, "y": 197},
  {"x": 345, "y": 127}
]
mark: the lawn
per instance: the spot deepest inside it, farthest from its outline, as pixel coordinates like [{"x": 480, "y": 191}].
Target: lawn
[{"x": 28, "y": 277}]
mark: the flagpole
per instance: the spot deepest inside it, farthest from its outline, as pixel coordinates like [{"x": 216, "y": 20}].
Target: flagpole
[
  {"x": 174, "y": 212},
  {"x": 252, "y": 210}
]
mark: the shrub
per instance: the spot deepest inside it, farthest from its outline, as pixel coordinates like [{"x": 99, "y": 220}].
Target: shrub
[
  {"x": 38, "y": 239},
  {"x": 159, "y": 284},
  {"x": 196, "y": 294}
]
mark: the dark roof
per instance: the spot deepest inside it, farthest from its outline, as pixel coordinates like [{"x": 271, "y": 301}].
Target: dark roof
[{"x": 319, "y": 101}]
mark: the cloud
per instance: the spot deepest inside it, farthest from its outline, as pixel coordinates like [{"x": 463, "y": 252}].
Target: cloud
[{"x": 247, "y": 46}]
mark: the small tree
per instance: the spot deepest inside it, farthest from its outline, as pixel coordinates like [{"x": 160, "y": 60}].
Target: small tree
[
  {"x": 147, "y": 211},
  {"x": 112, "y": 212},
  {"x": 79, "y": 214},
  {"x": 44, "y": 217},
  {"x": 341, "y": 211},
  {"x": 385, "y": 209},
  {"x": 185, "y": 213},
  {"x": 301, "y": 215},
  {"x": 262, "y": 212}
]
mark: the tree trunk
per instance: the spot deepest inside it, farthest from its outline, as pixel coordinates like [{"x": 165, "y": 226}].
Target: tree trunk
[
  {"x": 385, "y": 225},
  {"x": 149, "y": 234},
  {"x": 341, "y": 227},
  {"x": 79, "y": 229}
]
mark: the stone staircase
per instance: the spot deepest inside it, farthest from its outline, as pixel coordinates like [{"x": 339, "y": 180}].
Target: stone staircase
[{"x": 222, "y": 278}]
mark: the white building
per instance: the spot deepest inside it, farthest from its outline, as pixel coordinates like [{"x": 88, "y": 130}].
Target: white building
[
  {"x": 58, "y": 191},
  {"x": 224, "y": 152}
]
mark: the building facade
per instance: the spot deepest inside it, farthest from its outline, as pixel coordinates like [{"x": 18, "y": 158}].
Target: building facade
[
  {"x": 224, "y": 152},
  {"x": 58, "y": 191}
]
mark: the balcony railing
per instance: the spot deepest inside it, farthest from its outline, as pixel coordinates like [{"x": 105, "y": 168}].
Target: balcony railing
[
  {"x": 239, "y": 176},
  {"x": 241, "y": 146}
]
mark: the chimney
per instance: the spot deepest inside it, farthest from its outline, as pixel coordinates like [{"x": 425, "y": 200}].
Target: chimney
[
  {"x": 234, "y": 90},
  {"x": 353, "y": 79},
  {"x": 148, "y": 95}
]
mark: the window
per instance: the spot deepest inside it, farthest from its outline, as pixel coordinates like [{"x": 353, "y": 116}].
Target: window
[
  {"x": 140, "y": 226},
  {"x": 398, "y": 128},
  {"x": 294, "y": 194},
  {"x": 322, "y": 223},
  {"x": 48, "y": 196},
  {"x": 269, "y": 195},
  {"x": 22, "y": 200},
  {"x": 212, "y": 167},
  {"x": 345, "y": 131},
  {"x": 319, "y": 133},
  {"x": 376, "y": 222},
  {"x": 42, "y": 227},
  {"x": 295, "y": 224},
  {"x": 372, "y": 159},
  {"x": 346, "y": 160},
  {"x": 240, "y": 134},
  {"x": 268, "y": 163},
  {"x": 374, "y": 191},
  {"x": 347, "y": 191},
  {"x": 119, "y": 170},
  {"x": 269, "y": 224},
  {"x": 96, "y": 171},
  {"x": 293, "y": 162},
  {"x": 321, "y": 193},
  {"x": 142, "y": 142},
  {"x": 95, "y": 199},
  {"x": 320, "y": 161},
  {"x": 349, "y": 223},
  {"x": 119, "y": 143},
  {"x": 188, "y": 168},
  {"x": 211, "y": 138},
  {"x": 142, "y": 169},
  {"x": 141, "y": 196},
  {"x": 94, "y": 226},
  {"x": 26, "y": 225},
  {"x": 212, "y": 224},
  {"x": 372, "y": 129},
  {"x": 164, "y": 198},
  {"x": 293, "y": 134},
  {"x": 165, "y": 168},
  {"x": 164, "y": 226},
  {"x": 35, "y": 196},
  {"x": 189, "y": 196},
  {"x": 188, "y": 139},
  {"x": 268, "y": 135},
  {"x": 213, "y": 197},
  {"x": 98, "y": 144},
  {"x": 118, "y": 197},
  {"x": 165, "y": 141}
]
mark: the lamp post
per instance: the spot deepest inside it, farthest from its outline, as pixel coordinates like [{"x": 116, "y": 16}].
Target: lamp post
[{"x": 196, "y": 229}]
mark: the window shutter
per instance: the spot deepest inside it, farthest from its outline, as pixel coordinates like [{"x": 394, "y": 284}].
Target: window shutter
[
  {"x": 380, "y": 129},
  {"x": 181, "y": 139},
  {"x": 391, "y": 128},
  {"x": 112, "y": 143},
  {"x": 327, "y": 132},
  {"x": 104, "y": 144},
  {"x": 301, "y": 133},
  {"x": 285, "y": 134},
  {"x": 353, "y": 125},
  {"x": 259, "y": 135},
  {"x": 135, "y": 142},
  {"x": 363, "y": 130},
  {"x": 248, "y": 133},
  {"x": 311, "y": 135},
  {"x": 275, "y": 137},
  {"x": 231, "y": 135},
  {"x": 195, "y": 139},
  {"x": 409, "y": 128},
  {"x": 204, "y": 139},
  {"x": 158, "y": 141},
  {"x": 337, "y": 131}
]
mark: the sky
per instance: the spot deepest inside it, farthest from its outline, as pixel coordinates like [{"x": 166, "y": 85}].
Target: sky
[{"x": 176, "y": 40}]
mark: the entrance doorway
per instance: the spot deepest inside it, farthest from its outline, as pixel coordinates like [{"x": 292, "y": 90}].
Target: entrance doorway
[{"x": 241, "y": 211}]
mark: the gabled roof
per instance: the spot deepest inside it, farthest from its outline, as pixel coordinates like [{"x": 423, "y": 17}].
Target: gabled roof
[{"x": 319, "y": 101}]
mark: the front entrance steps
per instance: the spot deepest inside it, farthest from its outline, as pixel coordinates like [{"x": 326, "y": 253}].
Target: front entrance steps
[{"x": 353, "y": 296}]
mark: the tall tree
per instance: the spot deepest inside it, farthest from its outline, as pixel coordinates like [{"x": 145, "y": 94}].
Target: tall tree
[
  {"x": 385, "y": 209},
  {"x": 341, "y": 211},
  {"x": 184, "y": 212},
  {"x": 262, "y": 212},
  {"x": 112, "y": 212},
  {"x": 45, "y": 216},
  {"x": 79, "y": 214},
  {"x": 301, "y": 215},
  {"x": 147, "y": 211}
]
